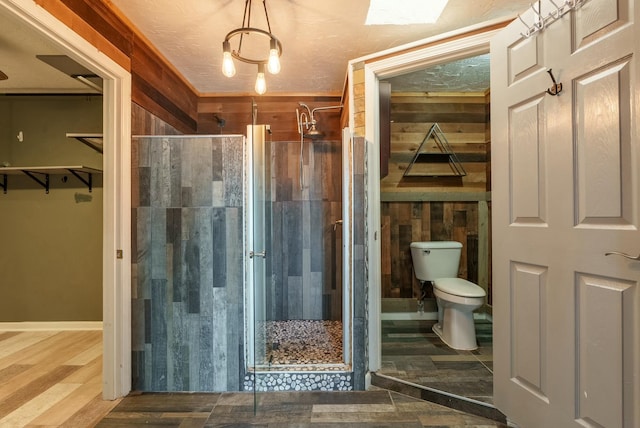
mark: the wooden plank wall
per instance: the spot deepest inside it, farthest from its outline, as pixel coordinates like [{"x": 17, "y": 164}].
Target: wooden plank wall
[
  {"x": 406, "y": 222},
  {"x": 277, "y": 111},
  {"x": 462, "y": 118},
  {"x": 427, "y": 208}
]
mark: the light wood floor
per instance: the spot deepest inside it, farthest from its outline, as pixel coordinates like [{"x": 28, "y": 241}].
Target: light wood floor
[{"x": 51, "y": 379}]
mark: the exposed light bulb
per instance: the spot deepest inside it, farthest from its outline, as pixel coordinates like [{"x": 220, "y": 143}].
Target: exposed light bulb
[
  {"x": 228, "y": 67},
  {"x": 273, "y": 65},
  {"x": 261, "y": 83}
]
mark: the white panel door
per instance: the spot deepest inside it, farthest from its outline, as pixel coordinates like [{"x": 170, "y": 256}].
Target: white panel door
[{"x": 566, "y": 190}]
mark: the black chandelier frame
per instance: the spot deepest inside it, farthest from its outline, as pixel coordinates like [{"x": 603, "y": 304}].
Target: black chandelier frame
[{"x": 246, "y": 29}]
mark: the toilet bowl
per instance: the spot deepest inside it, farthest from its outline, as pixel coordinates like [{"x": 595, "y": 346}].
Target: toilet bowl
[
  {"x": 457, "y": 298},
  {"x": 437, "y": 262}
]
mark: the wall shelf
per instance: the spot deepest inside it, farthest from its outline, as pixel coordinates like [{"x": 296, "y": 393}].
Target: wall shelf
[
  {"x": 92, "y": 140},
  {"x": 435, "y": 158},
  {"x": 40, "y": 174}
]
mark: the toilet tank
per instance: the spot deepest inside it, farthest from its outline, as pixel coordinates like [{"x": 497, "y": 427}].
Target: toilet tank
[{"x": 435, "y": 259}]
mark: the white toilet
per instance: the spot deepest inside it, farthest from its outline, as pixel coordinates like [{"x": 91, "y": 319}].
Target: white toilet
[{"x": 457, "y": 298}]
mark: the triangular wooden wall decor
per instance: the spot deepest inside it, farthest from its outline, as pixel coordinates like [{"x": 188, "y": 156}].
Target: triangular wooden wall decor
[{"x": 434, "y": 157}]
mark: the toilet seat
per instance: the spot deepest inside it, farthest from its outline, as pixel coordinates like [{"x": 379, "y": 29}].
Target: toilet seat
[{"x": 459, "y": 287}]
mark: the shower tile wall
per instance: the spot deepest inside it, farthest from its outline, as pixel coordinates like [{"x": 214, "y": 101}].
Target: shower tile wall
[
  {"x": 187, "y": 305},
  {"x": 306, "y": 281},
  {"x": 359, "y": 257}
]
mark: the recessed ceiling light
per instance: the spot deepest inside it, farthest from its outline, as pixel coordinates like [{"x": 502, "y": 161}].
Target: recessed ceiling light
[{"x": 404, "y": 12}]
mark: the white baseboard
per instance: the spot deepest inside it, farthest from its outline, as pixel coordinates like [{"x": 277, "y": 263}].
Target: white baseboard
[{"x": 50, "y": 325}]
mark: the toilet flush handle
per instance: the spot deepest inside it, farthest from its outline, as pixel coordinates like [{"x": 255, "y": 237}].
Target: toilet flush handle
[{"x": 627, "y": 256}]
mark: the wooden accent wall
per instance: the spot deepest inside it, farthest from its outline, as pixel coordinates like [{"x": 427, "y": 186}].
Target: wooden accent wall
[
  {"x": 406, "y": 222},
  {"x": 436, "y": 208},
  {"x": 156, "y": 85},
  {"x": 359, "y": 99},
  {"x": 462, "y": 118},
  {"x": 277, "y": 111}
]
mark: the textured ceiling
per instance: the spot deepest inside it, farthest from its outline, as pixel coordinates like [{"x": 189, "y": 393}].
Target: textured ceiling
[
  {"x": 318, "y": 38},
  {"x": 465, "y": 75}
]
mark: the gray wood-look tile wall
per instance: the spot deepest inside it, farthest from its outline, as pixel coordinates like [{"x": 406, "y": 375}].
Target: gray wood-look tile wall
[
  {"x": 187, "y": 296},
  {"x": 359, "y": 259},
  {"x": 188, "y": 308},
  {"x": 306, "y": 280}
]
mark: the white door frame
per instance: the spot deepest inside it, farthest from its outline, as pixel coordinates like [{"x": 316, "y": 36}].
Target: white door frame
[
  {"x": 116, "y": 277},
  {"x": 394, "y": 62}
]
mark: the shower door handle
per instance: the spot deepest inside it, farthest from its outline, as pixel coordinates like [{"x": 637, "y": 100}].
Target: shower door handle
[
  {"x": 626, "y": 256},
  {"x": 262, "y": 254}
]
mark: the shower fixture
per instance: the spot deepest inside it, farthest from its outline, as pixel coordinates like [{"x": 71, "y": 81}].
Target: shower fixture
[
  {"x": 307, "y": 123},
  {"x": 220, "y": 121},
  {"x": 307, "y": 129}
]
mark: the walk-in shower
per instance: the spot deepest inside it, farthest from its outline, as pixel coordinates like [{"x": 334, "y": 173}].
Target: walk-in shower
[
  {"x": 302, "y": 329},
  {"x": 298, "y": 303}
]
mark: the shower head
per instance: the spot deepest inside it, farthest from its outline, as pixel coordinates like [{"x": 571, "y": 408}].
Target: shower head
[{"x": 313, "y": 132}]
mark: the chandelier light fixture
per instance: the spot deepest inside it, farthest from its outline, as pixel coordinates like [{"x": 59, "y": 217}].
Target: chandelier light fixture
[{"x": 270, "y": 61}]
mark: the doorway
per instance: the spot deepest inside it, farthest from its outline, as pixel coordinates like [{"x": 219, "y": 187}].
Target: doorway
[
  {"x": 438, "y": 52},
  {"x": 116, "y": 276},
  {"x": 439, "y": 118}
]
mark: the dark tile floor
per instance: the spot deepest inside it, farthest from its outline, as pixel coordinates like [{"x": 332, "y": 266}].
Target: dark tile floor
[
  {"x": 413, "y": 353},
  {"x": 375, "y": 408}
]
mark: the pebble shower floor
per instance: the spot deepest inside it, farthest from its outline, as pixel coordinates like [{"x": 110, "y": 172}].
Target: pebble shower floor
[{"x": 302, "y": 342}]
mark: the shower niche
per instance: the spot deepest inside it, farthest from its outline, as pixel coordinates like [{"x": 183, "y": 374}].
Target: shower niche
[{"x": 299, "y": 320}]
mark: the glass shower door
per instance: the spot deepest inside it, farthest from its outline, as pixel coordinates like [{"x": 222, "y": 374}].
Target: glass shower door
[{"x": 260, "y": 251}]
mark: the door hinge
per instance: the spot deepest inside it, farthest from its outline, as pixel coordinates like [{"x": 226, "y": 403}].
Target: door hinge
[
  {"x": 262, "y": 254},
  {"x": 119, "y": 254}
]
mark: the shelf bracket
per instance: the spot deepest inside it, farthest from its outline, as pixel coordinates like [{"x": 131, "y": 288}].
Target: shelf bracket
[
  {"x": 88, "y": 181},
  {"x": 4, "y": 183},
  {"x": 44, "y": 183}
]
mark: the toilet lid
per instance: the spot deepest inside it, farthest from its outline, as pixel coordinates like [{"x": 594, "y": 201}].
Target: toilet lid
[{"x": 459, "y": 287}]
